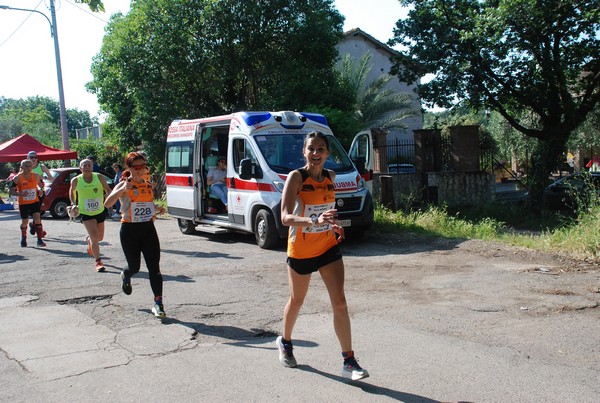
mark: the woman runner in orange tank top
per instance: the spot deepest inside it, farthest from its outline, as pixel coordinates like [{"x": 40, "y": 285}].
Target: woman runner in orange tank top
[
  {"x": 138, "y": 234},
  {"x": 308, "y": 208}
]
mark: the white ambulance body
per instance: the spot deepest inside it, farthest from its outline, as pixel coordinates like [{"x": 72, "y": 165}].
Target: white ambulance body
[{"x": 261, "y": 149}]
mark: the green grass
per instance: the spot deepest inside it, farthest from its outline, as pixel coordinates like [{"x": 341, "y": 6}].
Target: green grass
[{"x": 575, "y": 236}]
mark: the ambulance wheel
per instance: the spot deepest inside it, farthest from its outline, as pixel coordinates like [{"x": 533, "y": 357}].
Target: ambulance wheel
[
  {"x": 265, "y": 230},
  {"x": 355, "y": 234},
  {"x": 186, "y": 226}
]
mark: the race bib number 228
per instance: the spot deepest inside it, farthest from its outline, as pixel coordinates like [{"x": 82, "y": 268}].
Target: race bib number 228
[{"x": 142, "y": 211}]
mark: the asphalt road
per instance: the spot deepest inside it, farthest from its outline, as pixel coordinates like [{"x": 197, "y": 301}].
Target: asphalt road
[{"x": 433, "y": 321}]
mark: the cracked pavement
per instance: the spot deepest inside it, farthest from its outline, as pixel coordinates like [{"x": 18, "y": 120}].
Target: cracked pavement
[{"x": 433, "y": 320}]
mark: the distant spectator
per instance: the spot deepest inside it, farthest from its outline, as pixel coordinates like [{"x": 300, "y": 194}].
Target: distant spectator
[
  {"x": 95, "y": 166},
  {"x": 13, "y": 173},
  {"x": 118, "y": 172}
]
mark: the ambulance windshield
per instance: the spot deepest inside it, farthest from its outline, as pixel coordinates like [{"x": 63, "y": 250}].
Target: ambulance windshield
[{"x": 283, "y": 153}]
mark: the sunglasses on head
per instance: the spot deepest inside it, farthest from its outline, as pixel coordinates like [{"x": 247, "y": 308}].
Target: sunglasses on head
[
  {"x": 33, "y": 157},
  {"x": 138, "y": 167}
]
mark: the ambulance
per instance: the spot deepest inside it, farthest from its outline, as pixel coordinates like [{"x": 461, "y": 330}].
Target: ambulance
[{"x": 260, "y": 149}]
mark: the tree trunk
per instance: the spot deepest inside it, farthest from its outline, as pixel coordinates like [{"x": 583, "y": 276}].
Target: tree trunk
[{"x": 548, "y": 153}]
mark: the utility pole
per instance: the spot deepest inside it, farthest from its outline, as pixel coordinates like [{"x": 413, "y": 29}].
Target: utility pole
[{"x": 61, "y": 93}]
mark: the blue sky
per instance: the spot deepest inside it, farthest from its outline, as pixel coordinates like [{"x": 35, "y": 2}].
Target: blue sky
[{"x": 28, "y": 64}]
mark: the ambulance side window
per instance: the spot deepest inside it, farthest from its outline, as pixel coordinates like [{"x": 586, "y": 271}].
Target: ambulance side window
[
  {"x": 242, "y": 150},
  {"x": 179, "y": 158}
]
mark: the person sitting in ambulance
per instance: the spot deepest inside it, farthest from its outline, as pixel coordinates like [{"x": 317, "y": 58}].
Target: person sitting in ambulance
[{"x": 217, "y": 180}]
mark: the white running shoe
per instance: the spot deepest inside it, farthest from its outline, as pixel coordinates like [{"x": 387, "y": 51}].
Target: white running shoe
[
  {"x": 286, "y": 354},
  {"x": 352, "y": 370},
  {"x": 158, "y": 310}
]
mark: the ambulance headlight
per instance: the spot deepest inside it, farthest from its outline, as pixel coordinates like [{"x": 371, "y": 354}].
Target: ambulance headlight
[
  {"x": 279, "y": 185},
  {"x": 360, "y": 183}
]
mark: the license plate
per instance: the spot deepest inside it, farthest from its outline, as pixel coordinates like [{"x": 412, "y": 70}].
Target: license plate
[{"x": 344, "y": 223}]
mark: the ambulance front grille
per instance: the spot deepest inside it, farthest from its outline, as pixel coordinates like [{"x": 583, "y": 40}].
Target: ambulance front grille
[{"x": 345, "y": 204}]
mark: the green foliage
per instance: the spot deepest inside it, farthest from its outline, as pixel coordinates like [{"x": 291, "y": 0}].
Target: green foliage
[
  {"x": 578, "y": 236},
  {"x": 372, "y": 104},
  {"x": 95, "y": 5},
  {"x": 581, "y": 237},
  {"x": 587, "y": 136},
  {"x": 435, "y": 221},
  {"x": 515, "y": 57},
  {"x": 39, "y": 117},
  {"x": 186, "y": 59},
  {"x": 103, "y": 150}
]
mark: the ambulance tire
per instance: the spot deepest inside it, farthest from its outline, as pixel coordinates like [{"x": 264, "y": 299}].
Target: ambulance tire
[
  {"x": 265, "y": 230},
  {"x": 355, "y": 234},
  {"x": 186, "y": 226}
]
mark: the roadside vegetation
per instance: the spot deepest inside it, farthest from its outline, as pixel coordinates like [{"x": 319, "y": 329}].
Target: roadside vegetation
[{"x": 576, "y": 235}]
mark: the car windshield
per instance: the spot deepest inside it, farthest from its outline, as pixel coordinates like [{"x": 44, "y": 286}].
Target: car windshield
[
  {"x": 54, "y": 173},
  {"x": 577, "y": 182},
  {"x": 283, "y": 153}
]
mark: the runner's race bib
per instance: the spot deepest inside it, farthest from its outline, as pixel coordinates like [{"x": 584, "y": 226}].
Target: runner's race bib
[
  {"x": 316, "y": 210},
  {"x": 92, "y": 205},
  {"x": 30, "y": 194},
  {"x": 142, "y": 211}
]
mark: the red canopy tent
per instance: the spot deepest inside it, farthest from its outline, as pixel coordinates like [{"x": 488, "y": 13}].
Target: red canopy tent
[
  {"x": 595, "y": 160},
  {"x": 16, "y": 150}
]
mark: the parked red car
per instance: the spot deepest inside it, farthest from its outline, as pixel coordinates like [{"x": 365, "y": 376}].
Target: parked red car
[{"x": 57, "y": 199}]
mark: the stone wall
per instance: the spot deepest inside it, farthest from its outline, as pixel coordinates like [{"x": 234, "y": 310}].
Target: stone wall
[
  {"x": 458, "y": 189},
  {"x": 455, "y": 189}
]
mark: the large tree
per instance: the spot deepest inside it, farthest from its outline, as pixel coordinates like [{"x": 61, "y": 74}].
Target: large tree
[
  {"x": 539, "y": 57},
  {"x": 170, "y": 59}
]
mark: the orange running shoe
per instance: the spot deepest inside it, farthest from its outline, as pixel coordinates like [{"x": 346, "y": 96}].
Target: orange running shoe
[
  {"x": 89, "y": 246},
  {"x": 99, "y": 265}
]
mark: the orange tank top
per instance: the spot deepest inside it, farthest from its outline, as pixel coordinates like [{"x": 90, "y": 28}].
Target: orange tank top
[
  {"x": 28, "y": 185},
  {"x": 138, "y": 204},
  {"x": 314, "y": 198}
]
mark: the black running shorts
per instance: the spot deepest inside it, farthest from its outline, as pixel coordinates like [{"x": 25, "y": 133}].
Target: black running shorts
[{"x": 311, "y": 265}]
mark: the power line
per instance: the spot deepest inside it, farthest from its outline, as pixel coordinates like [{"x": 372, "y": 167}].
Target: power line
[
  {"x": 86, "y": 11},
  {"x": 20, "y": 25}
]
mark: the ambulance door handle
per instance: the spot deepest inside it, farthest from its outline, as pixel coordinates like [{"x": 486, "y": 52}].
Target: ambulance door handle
[
  {"x": 189, "y": 181},
  {"x": 231, "y": 183}
]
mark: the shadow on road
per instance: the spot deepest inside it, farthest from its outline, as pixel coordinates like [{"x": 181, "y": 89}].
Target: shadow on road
[
  {"x": 10, "y": 258},
  {"x": 370, "y": 388}
]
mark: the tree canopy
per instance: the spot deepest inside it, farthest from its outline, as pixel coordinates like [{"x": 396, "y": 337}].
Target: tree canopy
[
  {"x": 95, "y": 5},
  {"x": 39, "y": 117},
  {"x": 516, "y": 57},
  {"x": 170, "y": 59}
]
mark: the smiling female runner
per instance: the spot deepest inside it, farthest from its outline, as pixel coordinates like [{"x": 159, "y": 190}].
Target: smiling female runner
[{"x": 307, "y": 207}]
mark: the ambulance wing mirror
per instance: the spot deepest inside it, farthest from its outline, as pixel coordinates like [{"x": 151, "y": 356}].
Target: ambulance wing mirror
[
  {"x": 360, "y": 163},
  {"x": 249, "y": 169}
]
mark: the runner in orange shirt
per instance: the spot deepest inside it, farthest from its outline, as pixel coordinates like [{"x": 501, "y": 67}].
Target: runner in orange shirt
[
  {"x": 308, "y": 208},
  {"x": 28, "y": 186},
  {"x": 138, "y": 234}
]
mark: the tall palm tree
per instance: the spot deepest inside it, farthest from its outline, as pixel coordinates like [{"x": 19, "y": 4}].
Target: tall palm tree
[{"x": 375, "y": 105}]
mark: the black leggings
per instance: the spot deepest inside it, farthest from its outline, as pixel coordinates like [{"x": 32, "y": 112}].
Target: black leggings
[{"x": 141, "y": 239}]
